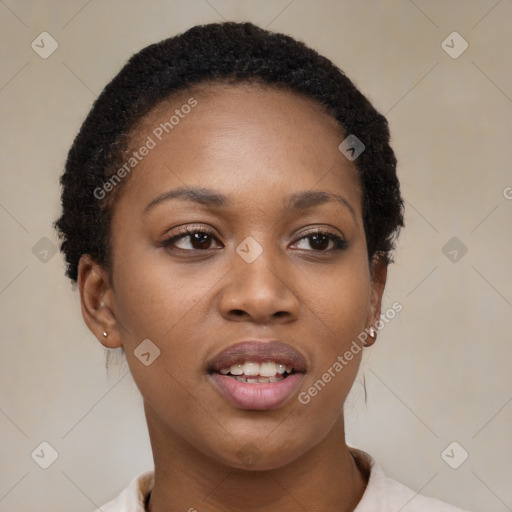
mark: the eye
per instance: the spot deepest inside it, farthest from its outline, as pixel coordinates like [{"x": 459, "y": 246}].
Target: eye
[
  {"x": 195, "y": 239},
  {"x": 191, "y": 239},
  {"x": 322, "y": 241}
]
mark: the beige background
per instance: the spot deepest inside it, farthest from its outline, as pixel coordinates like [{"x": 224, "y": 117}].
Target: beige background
[{"x": 440, "y": 371}]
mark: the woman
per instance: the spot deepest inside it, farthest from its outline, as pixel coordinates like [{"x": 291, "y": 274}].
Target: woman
[{"x": 230, "y": 206}]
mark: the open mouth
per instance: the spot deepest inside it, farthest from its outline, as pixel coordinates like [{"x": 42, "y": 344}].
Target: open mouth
[
  {"x": 257, "y": 375},
  {"x": 253, "y": 372}
]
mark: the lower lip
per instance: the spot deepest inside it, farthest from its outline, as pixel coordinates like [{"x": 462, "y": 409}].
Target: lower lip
[{"x": 257, "y": 396}]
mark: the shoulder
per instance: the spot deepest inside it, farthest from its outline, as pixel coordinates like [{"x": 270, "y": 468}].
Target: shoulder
[
  {"x": 133, "y": 497},
  {"x": 388, "y": 495}
]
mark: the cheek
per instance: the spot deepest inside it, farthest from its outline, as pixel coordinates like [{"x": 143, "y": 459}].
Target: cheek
[
  {"x": 167, "y": 306},
  {"x": 338, "y": 310},
  {"x": 154, "y": 300},
  {"x": 341, "y": 299}
]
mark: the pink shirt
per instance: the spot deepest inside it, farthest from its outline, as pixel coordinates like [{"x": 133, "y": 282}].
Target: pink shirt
[{"x": 382, "y": 494}]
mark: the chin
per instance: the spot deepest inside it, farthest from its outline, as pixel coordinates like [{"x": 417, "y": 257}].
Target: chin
[{"x": 259, "y": 455}]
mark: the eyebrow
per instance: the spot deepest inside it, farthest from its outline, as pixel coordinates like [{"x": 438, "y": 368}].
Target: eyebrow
[
  {"x": 312, "y": 198},
  {"x": 207, "y": 197},
  {"x": 203, "y": 196}
]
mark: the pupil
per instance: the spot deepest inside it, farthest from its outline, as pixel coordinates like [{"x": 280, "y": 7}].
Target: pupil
[
  {"x": 322, "y": 244},
  {"x": 201, "y": 239}
]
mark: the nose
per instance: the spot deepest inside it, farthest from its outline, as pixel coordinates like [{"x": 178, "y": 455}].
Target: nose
[{"x": 259, "y": 292}]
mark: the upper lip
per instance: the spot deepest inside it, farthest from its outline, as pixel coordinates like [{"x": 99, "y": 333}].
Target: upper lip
[{"x": 258, "y": 352}]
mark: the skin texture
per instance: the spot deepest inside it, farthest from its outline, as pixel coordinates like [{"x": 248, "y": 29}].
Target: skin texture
[{"x": 256, "y": 145}]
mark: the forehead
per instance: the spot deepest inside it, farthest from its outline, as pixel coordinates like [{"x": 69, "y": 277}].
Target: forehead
[
  {"x": 226, "y": 106},
  {"x": 241, "y": 137}
]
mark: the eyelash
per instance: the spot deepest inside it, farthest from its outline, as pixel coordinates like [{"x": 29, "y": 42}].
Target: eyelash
[{"x": 339, "y": 243}]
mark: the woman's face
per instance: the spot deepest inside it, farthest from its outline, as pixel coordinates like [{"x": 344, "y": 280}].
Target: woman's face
[{"x": 253, "y": 268}]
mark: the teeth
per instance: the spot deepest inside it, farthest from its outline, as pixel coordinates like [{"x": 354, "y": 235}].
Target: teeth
[
  {"x": 252, "y": 369},
  {"x": 236, "y": 369},
  {"x": 256, "y": 380},
  {"x": 268, "y": 369}
]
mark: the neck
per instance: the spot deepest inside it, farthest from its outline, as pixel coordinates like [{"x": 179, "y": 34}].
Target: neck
[{"x": 324, "y": 478}]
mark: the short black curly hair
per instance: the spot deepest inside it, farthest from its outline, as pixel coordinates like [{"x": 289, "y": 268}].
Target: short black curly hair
[{"x": 221, "y": 53}]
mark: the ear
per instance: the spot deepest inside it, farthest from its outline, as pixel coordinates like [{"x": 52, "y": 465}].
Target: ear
[
  {"x": 379, "y": 271},
  {"x": 96, "y": 297}
]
